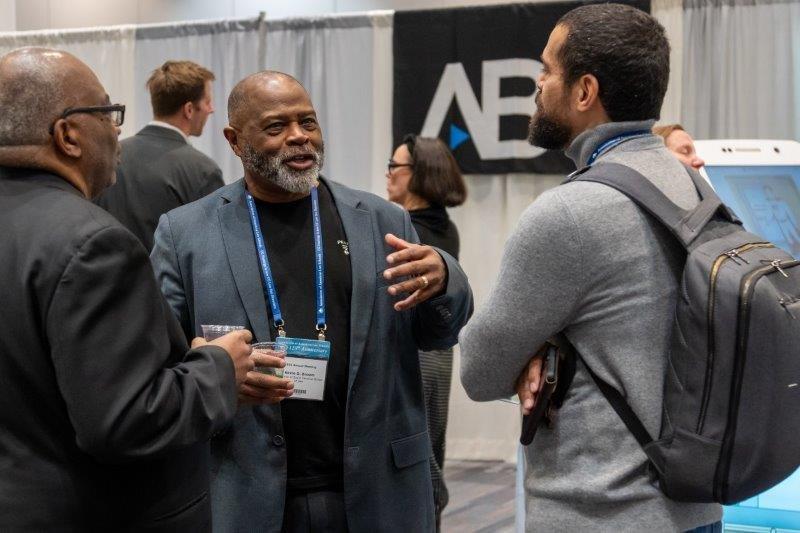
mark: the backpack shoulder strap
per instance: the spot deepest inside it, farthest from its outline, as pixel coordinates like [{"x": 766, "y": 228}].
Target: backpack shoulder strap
[
  {"x": 629, "y": 418},
  {"x": 622, "y": 408},
  {"x": 612, "y": 395},
  {"x": 685, "y": 225}
]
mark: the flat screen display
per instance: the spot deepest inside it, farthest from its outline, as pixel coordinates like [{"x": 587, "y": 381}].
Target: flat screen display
[{"x": 767, "y": 200}]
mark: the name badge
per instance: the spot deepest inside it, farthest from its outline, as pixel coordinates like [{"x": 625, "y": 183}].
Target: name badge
[{"x": 307, "y": 366}]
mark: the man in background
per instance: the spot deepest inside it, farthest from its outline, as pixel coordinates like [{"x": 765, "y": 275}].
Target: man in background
[
  {"x": 160, "y": 170},
  {"x": 680, "y": 143},
  {"x": 105, "y": 413}
]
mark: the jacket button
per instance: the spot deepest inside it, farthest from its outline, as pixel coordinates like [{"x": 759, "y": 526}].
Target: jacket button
[{"x": 278, "y": 440}]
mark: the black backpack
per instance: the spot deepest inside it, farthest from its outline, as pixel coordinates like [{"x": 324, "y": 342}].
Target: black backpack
[{"x": 731, "y": 416}]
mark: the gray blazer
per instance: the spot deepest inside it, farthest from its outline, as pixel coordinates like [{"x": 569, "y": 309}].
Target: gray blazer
[
  {"x": 205, "y": 260},
  {"x": 158, "y": 171}
]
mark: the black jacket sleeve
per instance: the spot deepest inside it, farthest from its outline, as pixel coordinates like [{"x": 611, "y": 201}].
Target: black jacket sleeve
[{"x": 131, "y": 387}]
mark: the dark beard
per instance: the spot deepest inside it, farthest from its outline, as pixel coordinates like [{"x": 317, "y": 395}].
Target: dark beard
[{"x": 548, "y": 133}]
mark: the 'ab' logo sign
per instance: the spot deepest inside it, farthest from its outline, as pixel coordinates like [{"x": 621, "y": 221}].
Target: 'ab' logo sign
[
  {"x": 483, "y": 121},
  {"x": 468, "y": 76}
]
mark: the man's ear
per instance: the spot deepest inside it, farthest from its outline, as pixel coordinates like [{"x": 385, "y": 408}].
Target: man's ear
[
  {"x": 188, "y": 110},
  {"x": 232, "y": 136},
  {"x": 67, "y": 139},
  {"x": 586, "y": 92}
]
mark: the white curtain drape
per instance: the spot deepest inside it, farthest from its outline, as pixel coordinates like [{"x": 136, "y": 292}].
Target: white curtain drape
[
  {"x": 670, "y": 14},
  {"x": 108, "y": 51},
  {"x": 124, "y": 56},
  {"x": 741, "y": 74}
]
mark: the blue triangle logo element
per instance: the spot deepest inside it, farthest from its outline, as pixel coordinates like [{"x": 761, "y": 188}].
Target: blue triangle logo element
[{"x": 457, "y": 136}]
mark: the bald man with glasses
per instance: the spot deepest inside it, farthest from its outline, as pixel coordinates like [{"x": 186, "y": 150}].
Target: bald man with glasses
[{"x": 105, "y": 412}]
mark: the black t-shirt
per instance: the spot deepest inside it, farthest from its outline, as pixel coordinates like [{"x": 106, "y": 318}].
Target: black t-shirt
[{"x": 314, "y": 430}]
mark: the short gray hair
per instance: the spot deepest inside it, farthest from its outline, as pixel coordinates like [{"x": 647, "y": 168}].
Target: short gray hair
[
  {"x": 31, "y": 96},
  {"x": 237, "y": 100}
]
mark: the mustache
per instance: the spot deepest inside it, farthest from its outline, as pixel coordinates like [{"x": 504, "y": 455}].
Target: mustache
[{"x": 294, "y": 152}]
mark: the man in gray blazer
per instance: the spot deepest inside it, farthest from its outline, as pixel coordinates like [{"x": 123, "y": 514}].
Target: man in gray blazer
[
  {"x": 284, "y": 251},
  {"x": 159, "y": 169}
]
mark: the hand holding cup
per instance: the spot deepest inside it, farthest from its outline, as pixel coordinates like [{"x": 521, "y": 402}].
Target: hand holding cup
[
  {"x": 266, "y": 384},
  {"x": 237, "y": 345}
]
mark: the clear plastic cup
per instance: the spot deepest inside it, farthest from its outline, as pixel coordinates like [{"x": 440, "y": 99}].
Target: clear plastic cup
[
  {"x": 270, "y": 348},
  {"x": 211, "y": 332}
]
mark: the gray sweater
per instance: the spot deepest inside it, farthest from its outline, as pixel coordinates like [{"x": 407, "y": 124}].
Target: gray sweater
[{"x": 584, "y": 259}]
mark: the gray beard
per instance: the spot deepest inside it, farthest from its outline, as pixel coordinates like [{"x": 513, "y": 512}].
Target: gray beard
[{"x": 272, "y": 169}]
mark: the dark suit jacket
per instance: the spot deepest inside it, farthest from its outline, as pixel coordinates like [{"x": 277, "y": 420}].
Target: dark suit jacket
[
  {"x": 104, "y": 416},
  {"x": 205, "y": 261},
  {"x": 158, "y": 171}
]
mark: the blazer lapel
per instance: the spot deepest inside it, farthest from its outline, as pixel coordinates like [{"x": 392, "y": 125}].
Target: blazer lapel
[
  {"x": 240, "y": 247},
  {"x": 357, "y": 225}
]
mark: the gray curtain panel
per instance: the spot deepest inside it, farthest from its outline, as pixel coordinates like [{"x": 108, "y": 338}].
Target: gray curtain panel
[{"x": 741, "y": 70}]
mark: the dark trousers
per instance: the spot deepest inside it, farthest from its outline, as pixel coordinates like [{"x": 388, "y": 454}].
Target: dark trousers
[{"x": 314, "y": 512}]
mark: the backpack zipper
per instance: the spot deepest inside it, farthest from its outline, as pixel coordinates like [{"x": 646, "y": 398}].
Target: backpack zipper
[
  {"x": 745, "y": 295},
  {"x": 733, "y": 254}
]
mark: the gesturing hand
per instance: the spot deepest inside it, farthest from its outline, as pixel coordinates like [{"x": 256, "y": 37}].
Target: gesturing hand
[{"x": 425, "y": 266}]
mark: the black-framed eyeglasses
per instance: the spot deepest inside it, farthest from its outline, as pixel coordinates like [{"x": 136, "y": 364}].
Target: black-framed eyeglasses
[
  {"x": 115, "y": 113},
  {"x": 392, "y": 165}
]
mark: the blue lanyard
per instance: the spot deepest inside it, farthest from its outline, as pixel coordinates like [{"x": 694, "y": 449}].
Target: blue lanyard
[
  {"x": 266, "y": 273},
  {"x": 612, "y": 142}
]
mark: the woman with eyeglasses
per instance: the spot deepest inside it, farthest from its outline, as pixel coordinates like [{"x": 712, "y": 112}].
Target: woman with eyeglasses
[{"x": 424, "y": 178}]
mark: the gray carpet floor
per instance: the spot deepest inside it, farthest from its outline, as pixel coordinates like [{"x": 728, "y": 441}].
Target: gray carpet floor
[{"x": 481, "y": 497}]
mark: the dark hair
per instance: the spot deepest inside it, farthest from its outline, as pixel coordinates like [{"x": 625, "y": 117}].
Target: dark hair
[
  {"x": 626, "y": 50},
  {"x": 174, "y": 83},
  {"x": 435, "y": 173}
]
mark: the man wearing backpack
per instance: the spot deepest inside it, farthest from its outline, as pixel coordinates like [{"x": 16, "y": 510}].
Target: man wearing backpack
[{"x": 586, "y": 261}]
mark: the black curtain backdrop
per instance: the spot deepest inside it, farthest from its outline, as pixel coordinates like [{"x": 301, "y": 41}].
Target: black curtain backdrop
[{"x": 426, "y": 41}]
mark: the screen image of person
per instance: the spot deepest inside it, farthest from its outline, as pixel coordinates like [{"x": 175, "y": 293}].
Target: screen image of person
[{"x": 423, "y": 177}]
